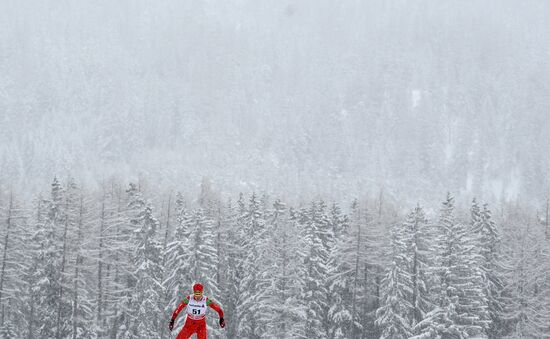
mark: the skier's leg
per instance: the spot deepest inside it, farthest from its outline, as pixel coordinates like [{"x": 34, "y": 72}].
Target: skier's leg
[
  {"x": 187, "y": 330},
  {"x": 201, "y": 329},
  {"x": 201, "y": 332}
]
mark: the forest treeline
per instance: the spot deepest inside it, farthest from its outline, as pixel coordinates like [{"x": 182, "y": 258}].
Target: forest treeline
[{"x": 115, "y": 262}]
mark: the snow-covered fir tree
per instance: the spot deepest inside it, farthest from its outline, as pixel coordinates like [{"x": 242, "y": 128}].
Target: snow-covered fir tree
[
  {"x": 252, "y": 286},
  {"x": 13, "y": 236},
  {"x": 342, "y": 277},
  {"x": 203, "y": 257},
  {"x": 82, "y": 290},
  {"x": 527, "y": 292},
  {"x": 126, "y": 236},
  {"x": 488, "y": 245},
  {"x": 462, "y": 309},
  {"x": 234, "y": 267},
  {"x": 31, "y": 273},
  {"x": 69, "y": 242},
  {"x": 319, "y": 236},
  {"x": 113, "y": 246},
  {"x": 416, "y": 224},
  {"x": 48, "y": 285},
  {"x": 146, "y": 258},
  {"x": 276, "y": 274},
  {"x": 285, "y": 275},
  {"x": 177, "y": 264},
  {"x": 396, "y": 310}
]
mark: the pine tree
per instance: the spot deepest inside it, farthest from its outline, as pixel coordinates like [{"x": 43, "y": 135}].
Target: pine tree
[
  {"x": 285, "y": 273},
  {"x": 178, "y": 251},
  {"x": 396, "y": 310},
  {"x": 527, "y": 292},
  {"x": 167, "y": 236},
  {"x": 204, "y": 255},
  {"x": 125, "y": 252},
  {"x": 234, "y": 265},
  {"x": 14, "y": 258},
  {"x": 55, "y": 241},
  {"x": 47, "y": 263},
  {"x": 319, "y": 237},
  {"x": 294, "y": 280},
  {"x": 251, "y": 286},
  {"x": 342, "y": 277},
  {"x": 461, "y": 304},
  {"x": 416, "y": 224},
  {"x": 488, "y": 243},
  {"x": 148, "y": 311},
  {"x": 101, "y": 304},
  {"x": 70, "y": 216},
  {"x": 375, "y": 222},
  {"x": 113, "y": 261},
  {"x": 357, "y": 251},
  {"x": 274, "y": 317},
  {"x": 82, "y": 316},
  {"x": 30, "y": 274}
]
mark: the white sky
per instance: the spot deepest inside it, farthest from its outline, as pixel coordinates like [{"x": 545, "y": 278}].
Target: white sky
[{"x": 339, "y": 98}]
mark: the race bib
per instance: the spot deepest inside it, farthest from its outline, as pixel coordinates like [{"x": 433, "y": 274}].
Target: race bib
[{"x": 196, "y": 309}]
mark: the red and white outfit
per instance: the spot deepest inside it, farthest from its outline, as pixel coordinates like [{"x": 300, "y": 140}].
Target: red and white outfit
[{"x": 196, "y": 316}]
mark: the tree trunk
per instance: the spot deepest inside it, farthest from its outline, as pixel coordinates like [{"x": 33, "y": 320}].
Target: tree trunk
[
  {"x": 167, "y": 233},
  {"x": 4, "y": 256},
  {"x": 77, "y": 266},
  {"x": 62, "y": 271},
  {"x": 356, "y": 275},
  {"x": 547, "y": 222},
  {"x": 100, "y": 266}
]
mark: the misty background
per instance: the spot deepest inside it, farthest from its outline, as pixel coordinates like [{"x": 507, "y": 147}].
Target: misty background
[{"x": 293, "y": 98}]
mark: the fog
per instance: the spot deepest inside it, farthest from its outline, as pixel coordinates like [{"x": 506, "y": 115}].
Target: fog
[{"x": 333, "y": 98}]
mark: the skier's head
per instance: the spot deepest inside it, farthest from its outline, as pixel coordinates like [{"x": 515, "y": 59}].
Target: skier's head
[{"x": 197, "y": 290}]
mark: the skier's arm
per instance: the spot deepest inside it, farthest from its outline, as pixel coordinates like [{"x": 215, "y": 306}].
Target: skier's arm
[
  {"x": 180, "y": 307},
  {"x": 215, "y": 307},
  {"x": 218, "y": 309}
]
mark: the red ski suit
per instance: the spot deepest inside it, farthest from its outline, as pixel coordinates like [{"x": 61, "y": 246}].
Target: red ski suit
[{"x": 198, "y": 325}]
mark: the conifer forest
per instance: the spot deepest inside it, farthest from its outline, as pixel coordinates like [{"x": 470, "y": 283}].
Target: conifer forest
[
  {"x": 115, "y": 264},
  {"x": 353, "y": 169}
]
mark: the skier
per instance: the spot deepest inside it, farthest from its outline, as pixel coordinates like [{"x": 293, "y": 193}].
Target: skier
[{"x": 196, "y": 314}]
